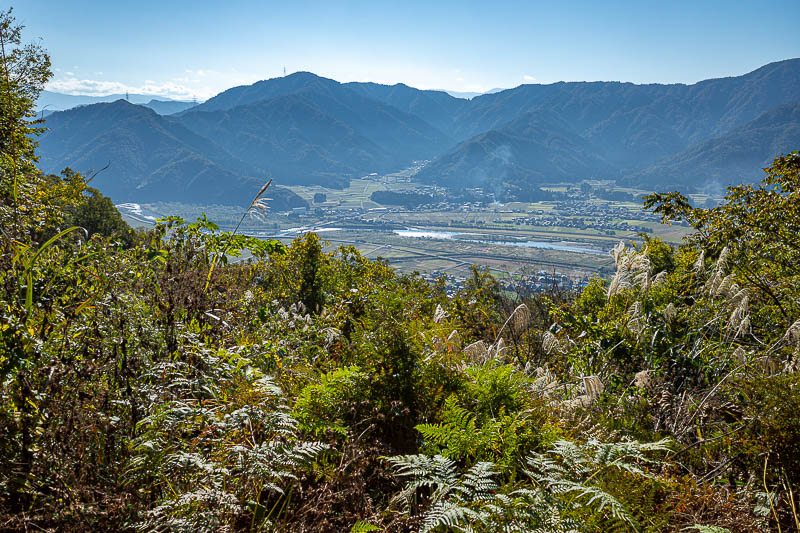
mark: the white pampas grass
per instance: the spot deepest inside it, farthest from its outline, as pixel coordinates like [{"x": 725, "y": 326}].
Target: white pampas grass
[
  {"x": 792, "y": 335},
  {"x": 724, "y": 286},
  {"x": 550, "y": 343},
  {"x": 544, "y": 379},
  {"x": 642, "y": 379},
  {"x": 497, "y": 349},
  {"x": 331, "y": 335},
  {"x": 739, "y": 321},
  {"x": 617, "y": 252},
  {"x": 520, "y": 319},
  {"x": 722, "y": 261},
  {"x": 440, "y": 314},
  {"x": 700, "y": 265},
  {"x": 454, "y": 340},
  {"x": 477, "y": 352},
  {"x": 633, "y": 268},
  {"x": 636, "y": 323},
  {"x": 670, "y": 312},
  {"x": 593, "y": 387}
]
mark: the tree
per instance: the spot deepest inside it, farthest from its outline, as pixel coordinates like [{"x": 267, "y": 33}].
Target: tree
[
  {"x": 24, "y": 70},
  {"x": 97, "y": 215},
  {"x": 758, "y": 228}
]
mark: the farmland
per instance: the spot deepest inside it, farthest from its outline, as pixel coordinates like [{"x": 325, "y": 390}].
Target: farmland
[{"x": 567, "y": 238}]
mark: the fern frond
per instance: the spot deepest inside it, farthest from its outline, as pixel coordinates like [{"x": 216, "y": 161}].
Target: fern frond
[{"x": 363, "y": 527}]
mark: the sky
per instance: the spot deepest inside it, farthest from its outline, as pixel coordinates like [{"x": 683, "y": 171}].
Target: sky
[{"x": 182, "y": 49}]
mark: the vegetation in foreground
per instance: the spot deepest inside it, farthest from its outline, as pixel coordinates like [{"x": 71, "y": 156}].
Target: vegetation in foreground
[{"x": 148, "y": 385}]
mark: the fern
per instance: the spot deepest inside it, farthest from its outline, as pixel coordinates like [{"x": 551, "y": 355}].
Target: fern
[
  {"x": 572, "y": 471},
  {"x": 501, "y": 439},
  {"x": 218, "y": 443},
  {"x": 566, "y": 483},
  {"x": 363, "y": 527}
]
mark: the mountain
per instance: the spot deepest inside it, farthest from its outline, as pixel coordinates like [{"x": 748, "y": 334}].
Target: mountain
[
  {"x": 168, "y": 107},
  {"x": 150, "y": 157},
  {"x": 295, "y": 140},
  {"x": 627, "y": 126},
  {"x": 266, "y": 89},
  {"x": 54, "y": 101},
  {"x": 533, "y": 149},
  {"x": 435, "y": 107},
  {"x": 306, "y": 129},
  {"x": 731, "y": 158}
]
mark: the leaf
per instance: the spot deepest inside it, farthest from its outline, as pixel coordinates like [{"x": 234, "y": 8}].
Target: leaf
[{"x": 363, "y": 527}]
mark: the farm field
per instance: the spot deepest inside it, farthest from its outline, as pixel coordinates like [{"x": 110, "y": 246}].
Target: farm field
[{"x": 571, "y": 235}]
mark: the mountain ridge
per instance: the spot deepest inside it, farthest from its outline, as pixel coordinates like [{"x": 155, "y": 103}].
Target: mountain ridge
[
  {"x": 306, "y": 129},
  {"x": 149, "y": 156}
]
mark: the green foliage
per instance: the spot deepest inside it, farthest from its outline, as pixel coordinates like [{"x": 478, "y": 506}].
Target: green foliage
[
  {"x": 759, "y": 227},
  {"x": 491, "y": 418},
  {"x": 97, "y": 215},
  {"x": 156, "y": 386},
  {"x": 331, "y": 403},
  {"x": 774, "y": 409},
  {"x": 25, "y": 70},
  {"x": 478, "y": 307},
  {"x": 566, "y": 489},
  {"x": 222, "y": 441},
  {"x": 363, "y": 527},
  {"x": 574, "y": 474},
  {"x": 502, "y": 439}
]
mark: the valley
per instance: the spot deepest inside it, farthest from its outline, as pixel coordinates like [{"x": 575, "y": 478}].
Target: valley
[{"x": 526, "y": 245}]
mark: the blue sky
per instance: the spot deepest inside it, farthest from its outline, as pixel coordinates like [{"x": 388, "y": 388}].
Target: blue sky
[{"x": 183, "y": 49}]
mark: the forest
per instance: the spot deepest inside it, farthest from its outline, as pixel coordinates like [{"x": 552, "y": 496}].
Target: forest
[{"x": 152, "y": 383}]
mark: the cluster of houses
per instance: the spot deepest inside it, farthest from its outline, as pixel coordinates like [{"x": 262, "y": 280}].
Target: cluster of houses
[
  {"x": 542, "y": 281},
  {"x": 583, "y": 215}
]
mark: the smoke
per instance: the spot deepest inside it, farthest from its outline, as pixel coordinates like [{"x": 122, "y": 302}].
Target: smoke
[
  {"x": 504, "y": 154},
  {"x": 713, "y": 188}
]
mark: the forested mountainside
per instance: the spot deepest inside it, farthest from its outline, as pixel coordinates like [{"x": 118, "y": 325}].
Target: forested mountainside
[
  {"x": 149, "y": 157},
  {"x": 723, "y": 159},
  {"x": 319, "y": 131},
  {"x": 535, "y": 148},
  {"x": 168, "y": 107},
  {"x": 303, "y": 129},
  {"x": 628, "y": 127}
]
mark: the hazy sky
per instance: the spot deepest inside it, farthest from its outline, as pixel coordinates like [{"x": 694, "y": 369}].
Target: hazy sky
[{"x": 181, "y": 49}]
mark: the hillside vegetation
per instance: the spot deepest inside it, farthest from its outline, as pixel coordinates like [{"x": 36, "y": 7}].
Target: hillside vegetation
[{"x": 151, "y": 385}]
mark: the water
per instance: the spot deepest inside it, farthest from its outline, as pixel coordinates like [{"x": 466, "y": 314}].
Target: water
[
  {"x": 305, "y": 229},
  {"x": 467, "y": 237},
  {"x": 423, "y": 234}
]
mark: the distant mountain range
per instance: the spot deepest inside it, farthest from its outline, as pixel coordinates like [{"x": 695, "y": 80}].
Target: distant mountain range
[
  {"x": 468, "y": 95},
  {"x": 304, "y": 129},
  {"x": 50, "y": 101}
]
